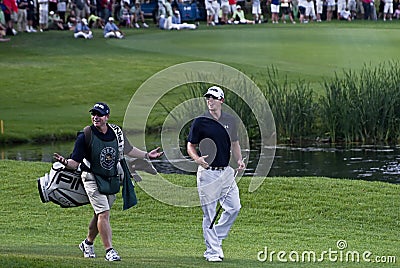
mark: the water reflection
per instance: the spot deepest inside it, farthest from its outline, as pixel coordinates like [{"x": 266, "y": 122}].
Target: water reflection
[{"x": 365, "y": 162}]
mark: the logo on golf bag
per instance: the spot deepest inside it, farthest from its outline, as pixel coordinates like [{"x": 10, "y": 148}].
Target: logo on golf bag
[{"x": 63, "y": 187}]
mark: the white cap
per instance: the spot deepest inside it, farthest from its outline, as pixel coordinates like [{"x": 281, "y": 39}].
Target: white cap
[
  {"x": 51, "y": 13},
  {"x": 110, "y": 19},
  {"x": 84, "y": 21},
  {"x": 215, "y": 92},
  {"x": 238, "y": 7}
]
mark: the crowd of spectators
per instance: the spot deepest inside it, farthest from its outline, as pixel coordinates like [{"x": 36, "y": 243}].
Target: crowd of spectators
[{"x": 41, "y": 15}]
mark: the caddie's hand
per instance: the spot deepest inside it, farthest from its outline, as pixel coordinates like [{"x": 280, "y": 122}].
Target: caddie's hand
[
  {"x": 201, "y": 161},
  {"x": 154, "y": 153},
  {"x": 59, "y": 158}
]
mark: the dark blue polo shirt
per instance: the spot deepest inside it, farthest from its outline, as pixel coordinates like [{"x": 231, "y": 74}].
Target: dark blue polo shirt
[{"x": 214, "y": 137}]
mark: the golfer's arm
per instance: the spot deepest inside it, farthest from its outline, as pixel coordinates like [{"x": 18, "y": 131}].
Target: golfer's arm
[
  {"x": 191, "y": 150},
  {"x": 236, "y": 150}
]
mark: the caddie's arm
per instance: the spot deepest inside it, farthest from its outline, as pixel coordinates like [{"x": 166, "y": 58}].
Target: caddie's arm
[
  {"x": 68, "y": 163},
  {"x": 237, "y": 154},
  {"x": 137, "y": 153},
  {"x": 192, "y": 152}
]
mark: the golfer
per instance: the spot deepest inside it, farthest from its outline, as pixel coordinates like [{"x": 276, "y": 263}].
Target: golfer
[
  {"x": 215, "y": 135},
  {"x": 97, "y": 158}
]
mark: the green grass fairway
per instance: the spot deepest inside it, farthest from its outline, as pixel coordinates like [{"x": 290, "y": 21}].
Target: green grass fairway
[
  {"x": 284, "y": 214},
  {"x": 50, "y": 79}
]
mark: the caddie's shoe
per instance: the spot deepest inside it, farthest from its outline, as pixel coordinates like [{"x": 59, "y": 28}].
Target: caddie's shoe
[
  {"x": 214, "y": 259},
  {"x": 88, "y": 250},
  {"x": 112, "y": 255}
]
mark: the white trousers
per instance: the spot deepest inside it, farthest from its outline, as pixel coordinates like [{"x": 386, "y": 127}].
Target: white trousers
[
  {"x": 115, "y": 34},
  {"x": 81, "y": 34},
  {"x": 212, "y": 188}
]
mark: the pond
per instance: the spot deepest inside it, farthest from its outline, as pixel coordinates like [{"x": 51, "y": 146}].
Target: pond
[{"x": 377, "y": 163}]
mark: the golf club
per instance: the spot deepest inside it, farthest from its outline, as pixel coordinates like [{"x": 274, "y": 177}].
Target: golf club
[{"x": 223, "y": 201}]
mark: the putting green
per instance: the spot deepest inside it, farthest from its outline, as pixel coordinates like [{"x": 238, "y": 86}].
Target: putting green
[{"x": 315, "y": 51}]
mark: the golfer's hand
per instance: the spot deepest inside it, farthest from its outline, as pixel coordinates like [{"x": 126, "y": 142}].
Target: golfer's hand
[
  {"x": 155, "y": 153},
  {"x": 59, "y": 158},
  {"x": 201, "y": 161},
  {"x": 241, "y": 165}
]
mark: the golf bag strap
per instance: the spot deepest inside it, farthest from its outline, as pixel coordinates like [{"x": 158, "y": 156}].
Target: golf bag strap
[{"x": 87, "y": 131}]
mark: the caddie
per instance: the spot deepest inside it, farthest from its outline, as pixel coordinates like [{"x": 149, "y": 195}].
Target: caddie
[{"x": 98, "y": 153}]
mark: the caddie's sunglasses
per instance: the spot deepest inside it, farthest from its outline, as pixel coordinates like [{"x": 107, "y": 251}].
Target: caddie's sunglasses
[{"x": 94, "y": 113}]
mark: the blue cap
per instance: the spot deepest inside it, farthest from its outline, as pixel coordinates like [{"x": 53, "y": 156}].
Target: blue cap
[{"x": 101, "y": 107}]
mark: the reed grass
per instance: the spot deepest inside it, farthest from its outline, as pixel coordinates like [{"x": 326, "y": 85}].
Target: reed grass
[
  {"x": 363, "y": 106},
  {"x": 292, "y": 105}
]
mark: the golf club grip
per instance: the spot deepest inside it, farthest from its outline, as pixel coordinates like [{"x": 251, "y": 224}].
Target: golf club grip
[{"x": 215, "y": 217}]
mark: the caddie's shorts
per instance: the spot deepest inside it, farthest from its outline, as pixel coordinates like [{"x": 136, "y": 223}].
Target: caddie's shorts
[{"x": 100, "y": 202}]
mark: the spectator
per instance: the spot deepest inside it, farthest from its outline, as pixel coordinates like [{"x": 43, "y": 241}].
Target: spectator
[
  {"x": 265, "y": 10},
  {"x": 302, "y": 10},
  {"x": 380, "y": 8},
  {"x": 10, "y": 13},
  {"x": 116, "y": 8},
  {"x": 80, "y": 8},
  {"x": 95, "y": 22},
  {"x": 125, "y": 16},
  {"x": 212, "y": 8},
  {"x": 53, "y": 5},
  {"x": 30, "y": 13},
  {"x": 176, "y": 23},
  {"x": 62, "y": 9},
  {"x": 82, "y": 30},
  {"x": 161, "y": 9},
  {"x": 319, "y": 4},
  {"x": 367, "y": 9},
  {"x": 396, "y": 14},
  {"x": 91, "y": 7},
  {"x": 138, "y": 14},
  {"x": 341, "y": 5},
  {"x": 388, "y": 10},
  {"x": 352, "y": 5},
  {"x": 111, "y": 30},
  {"x": 232, "y": 5},
  {"x": 373, "y": 11},
  {"x": 22, "y": 20},
  {"x": 3, "y": 26},
  {"x": 43, "y": 14},
  {"x": 310, "y": 11},
  {"x": 256, "y": 11},
  {"x": 287, "y": 11},
  {"x": 55, "y": 21},
  {"x": 239, "y": 18},
  {"x": 225, "y": 10},
  {"x": 275, "y": 5},
  {"x": 71, "y": 20},
  {"x": 345, "y": 14}
]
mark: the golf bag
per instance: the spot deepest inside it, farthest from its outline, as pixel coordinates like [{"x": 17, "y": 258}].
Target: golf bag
[{"x": 63, "y": 187}]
